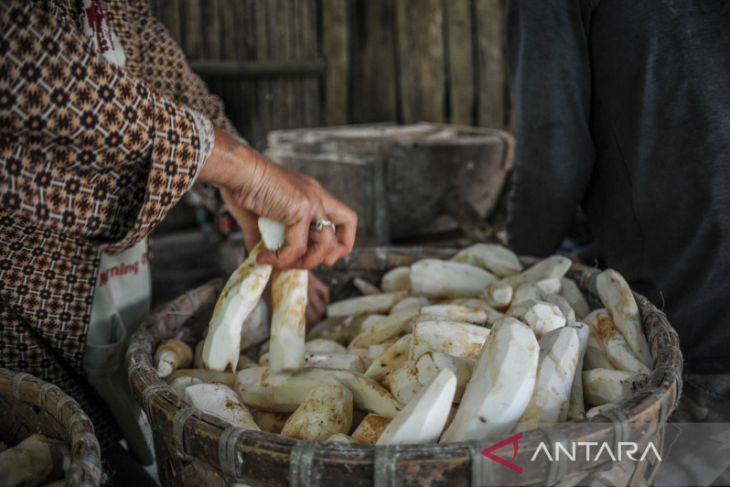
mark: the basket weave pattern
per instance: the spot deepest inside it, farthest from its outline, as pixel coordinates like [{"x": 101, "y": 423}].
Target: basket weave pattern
[
  {"x": 30, "y": 405},
  {"x": 188, "y": 441}
]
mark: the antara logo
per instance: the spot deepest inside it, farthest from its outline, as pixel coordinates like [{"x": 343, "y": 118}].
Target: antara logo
[
  {"x": 603, "y": 451},
  {"x": 573, "y": 451},
  {"x": 514, "y": 440}
]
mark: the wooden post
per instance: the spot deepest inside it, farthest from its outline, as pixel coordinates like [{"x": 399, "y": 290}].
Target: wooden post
[
  {"x": 211, "y": 33},
  {"x": 373, "y": 75},
  {"x": 192, "y": 27},
  {"x": 421, "y": 60},
  {"x": 335, "y": 42},
  {"x": 291, "y": 117},
  {"x": 460, "y": 56},
  {"x": 492, "y": 89},
  {"x": 298, "y": 27},
  {"x": 237, "y": 45},
  {"x": 263, "y": 86},
  {"x": 311, "y": 94}
]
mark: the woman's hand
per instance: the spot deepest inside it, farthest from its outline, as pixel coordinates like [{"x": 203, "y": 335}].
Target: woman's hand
[
  {"x": 253, "y": 186},
  {"x": 318, "y": 294}
]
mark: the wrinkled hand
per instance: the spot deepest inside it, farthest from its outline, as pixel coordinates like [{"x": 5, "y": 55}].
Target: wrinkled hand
[
  {"x": 253, "y": 186},
  {"x": 296, "y": 201},
  {"x": 318, "y": 294}
]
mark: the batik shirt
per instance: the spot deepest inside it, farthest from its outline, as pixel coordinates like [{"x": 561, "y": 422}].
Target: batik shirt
[{"x": 92, "y": 157}]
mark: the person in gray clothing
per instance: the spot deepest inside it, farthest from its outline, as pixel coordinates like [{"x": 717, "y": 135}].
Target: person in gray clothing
[{"x": 622, "y": 108}]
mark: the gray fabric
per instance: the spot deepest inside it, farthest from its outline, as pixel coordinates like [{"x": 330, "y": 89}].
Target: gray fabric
[
  {"x": 105, "y": 371},
  {"x": 623, "y": 107},
  {"x": 698, "y": 436}
]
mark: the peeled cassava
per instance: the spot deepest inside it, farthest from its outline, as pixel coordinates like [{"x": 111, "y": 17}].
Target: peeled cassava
[
  {"x": 370, "y": 429},
  {"x": 497, "y": 259},
  {"x": 237, "y": 300},
  {"x": 172, "y": 354},
  {"x": 501, "y": 385},
  {"x": 35, "y": 461},
  {"x": 616, "y": 295},
  {"x": 261, "y": 388},
  {"x": 222, "y": 402},
  {"x": 424, "y": 418},
  {"x": 444, "y": 279},
  {"x": 325, "y": 411},
  {"x": 289, "y": 298},
  {"x": 559, "y": 355}
]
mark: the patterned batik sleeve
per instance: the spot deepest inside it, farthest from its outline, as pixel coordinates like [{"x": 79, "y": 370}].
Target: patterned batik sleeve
[{"x": 84, "y": 147}]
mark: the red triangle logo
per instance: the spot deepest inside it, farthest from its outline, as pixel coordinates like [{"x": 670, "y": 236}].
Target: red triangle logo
[{"x": 514, "y": 440}]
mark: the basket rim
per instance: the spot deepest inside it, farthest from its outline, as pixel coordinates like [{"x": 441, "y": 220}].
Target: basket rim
[
  {"x": 85, "y": 466},
  {"x": 662, "y": 390}
]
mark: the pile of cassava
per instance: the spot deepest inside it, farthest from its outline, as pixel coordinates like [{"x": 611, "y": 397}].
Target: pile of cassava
[
  {"x": 441, "y": 351},
  {"x": 37, "y": 460}
]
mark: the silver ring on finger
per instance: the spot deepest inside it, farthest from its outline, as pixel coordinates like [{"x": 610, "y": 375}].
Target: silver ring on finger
[{"x": 320, "y": 224}]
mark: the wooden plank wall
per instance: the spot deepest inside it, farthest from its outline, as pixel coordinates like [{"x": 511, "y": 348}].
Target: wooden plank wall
[
  {"x": 304, "y": 63},
  {"x": 434, "y": 60},
  {"x": 263, "y": 38}
]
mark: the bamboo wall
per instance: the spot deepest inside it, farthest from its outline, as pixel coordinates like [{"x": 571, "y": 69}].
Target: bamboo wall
[{"x": 304, "y": 63}]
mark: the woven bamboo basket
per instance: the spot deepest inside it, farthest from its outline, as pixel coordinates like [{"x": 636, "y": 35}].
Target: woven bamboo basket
[
  {"x": 30, "y": 405},
  {"x": 191, "y": 444}
]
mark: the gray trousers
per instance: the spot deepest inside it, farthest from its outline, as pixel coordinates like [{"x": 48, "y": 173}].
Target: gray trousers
[{"x": 697, "y": 450}]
